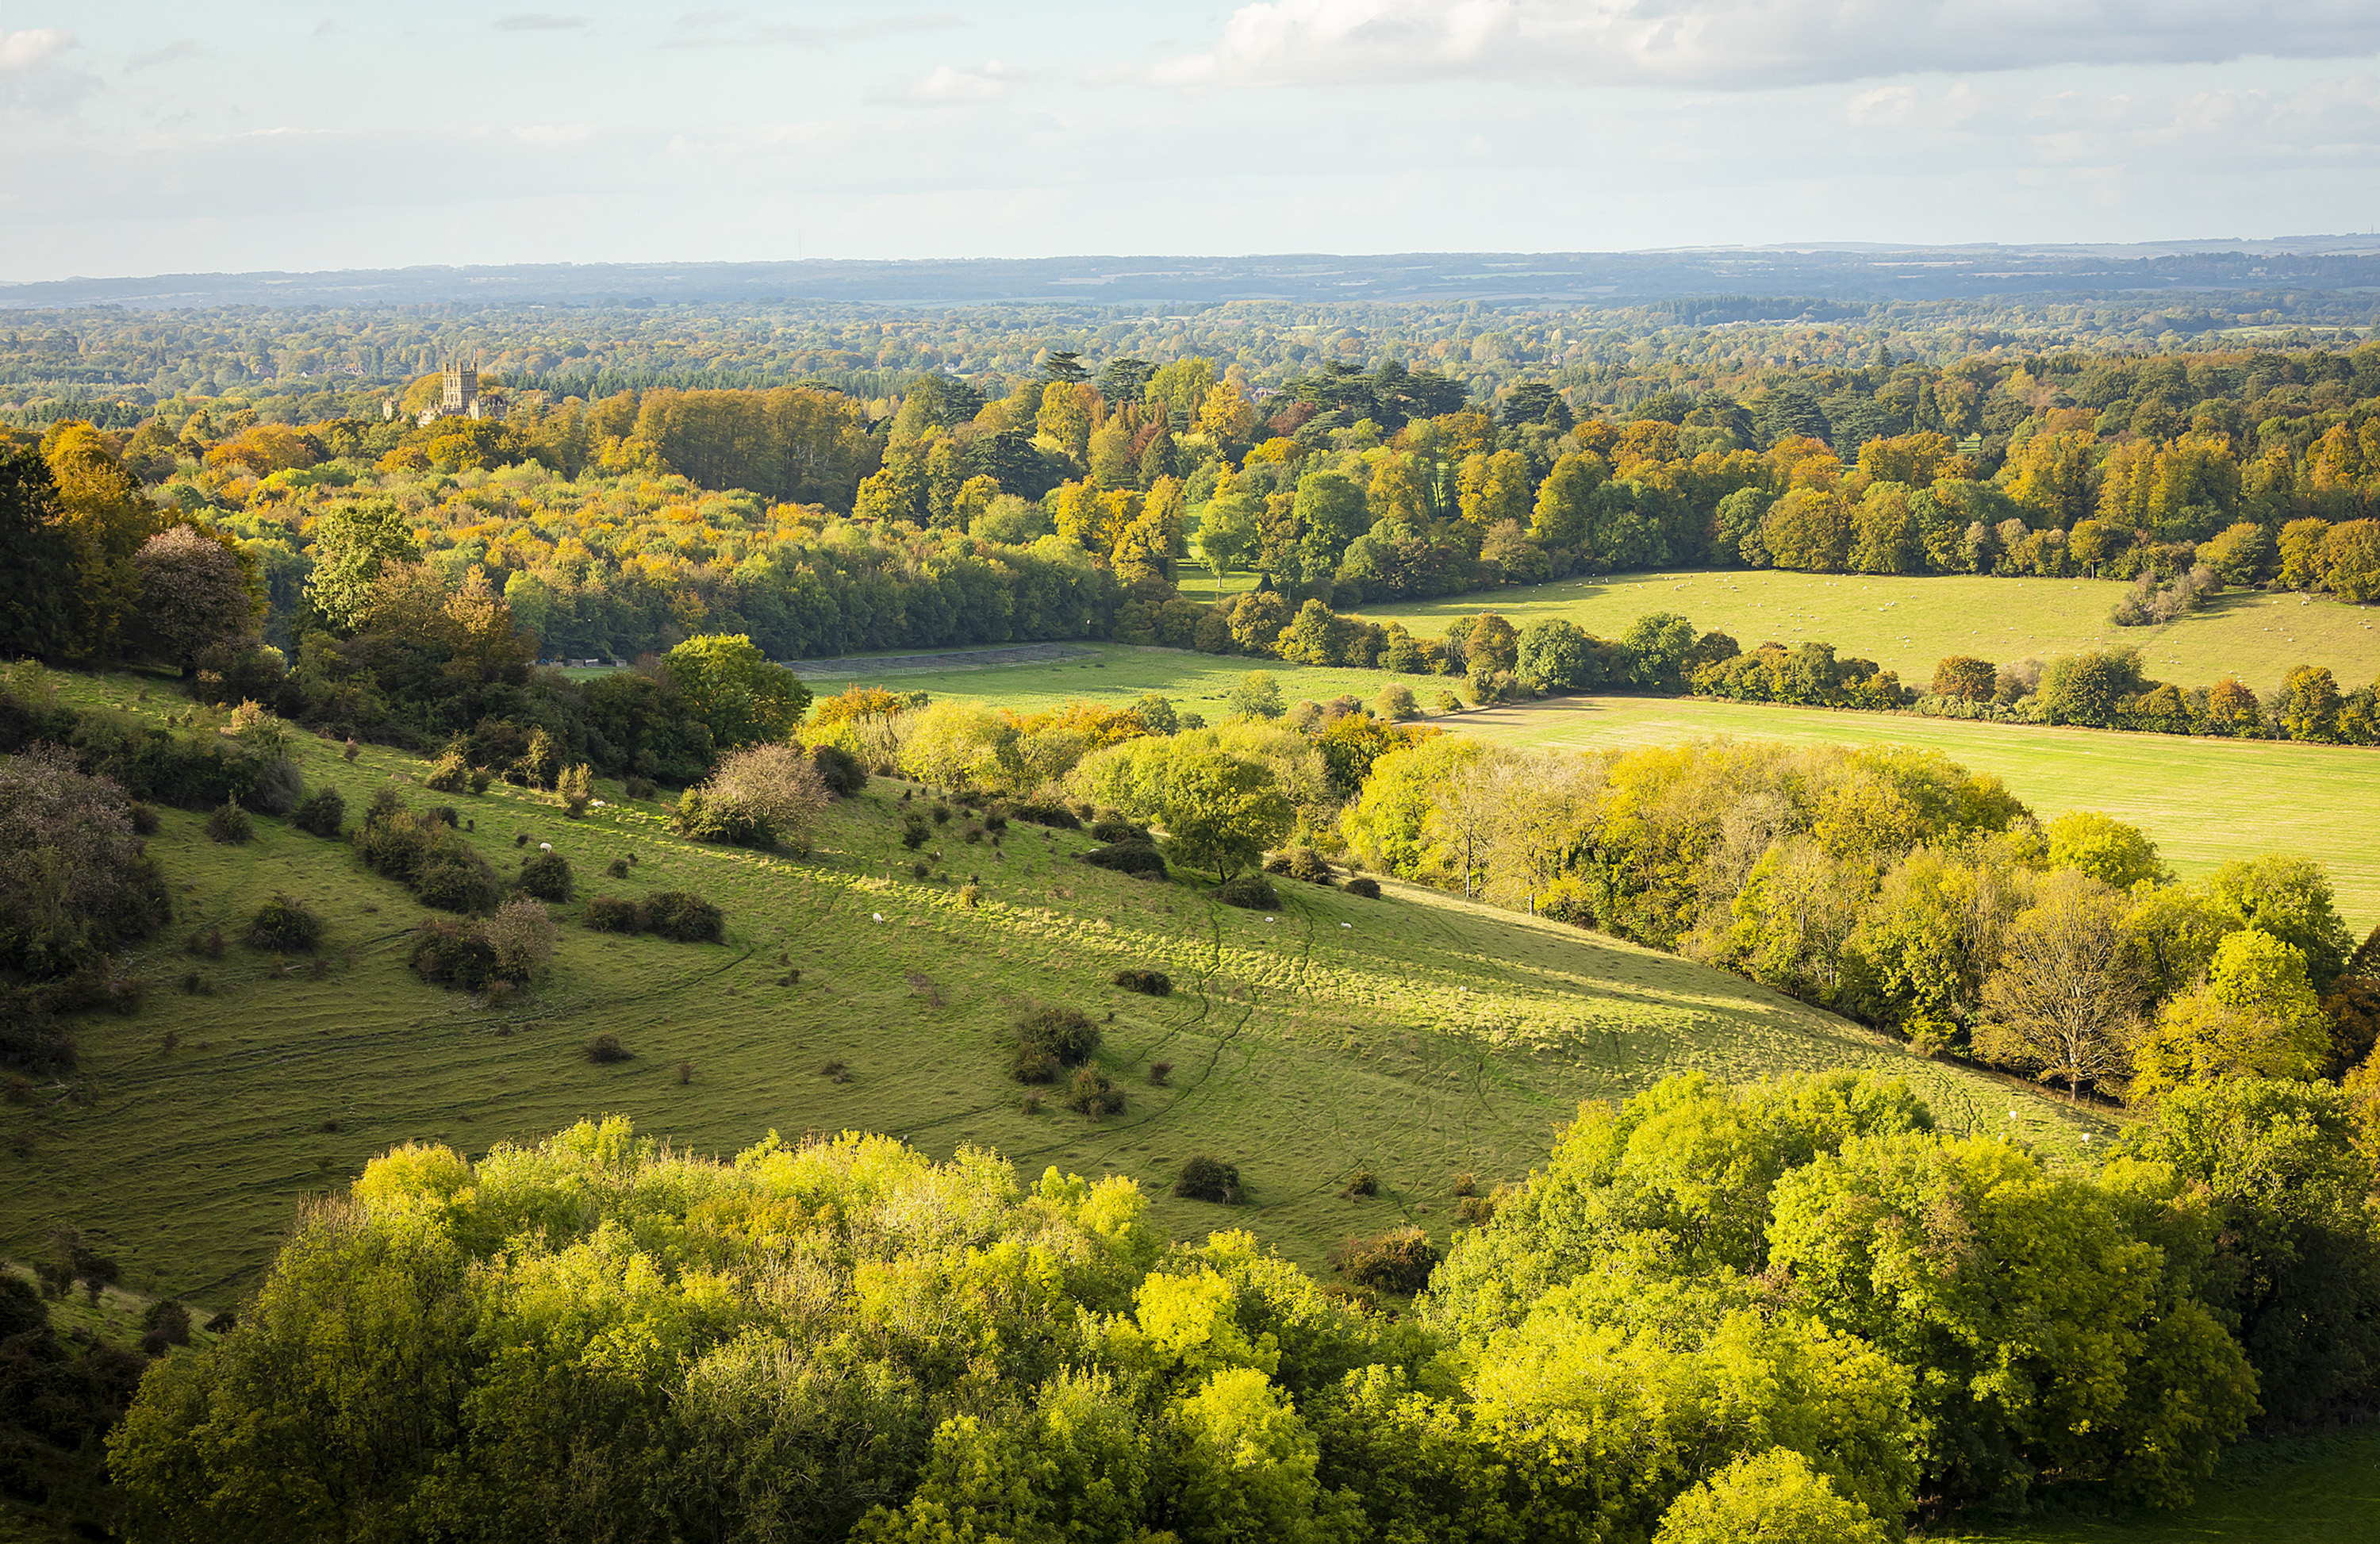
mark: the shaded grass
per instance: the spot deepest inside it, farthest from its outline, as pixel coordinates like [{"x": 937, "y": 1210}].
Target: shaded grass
[
  {"x": 1428, "y": 1038},
  {"x": 2205, "y": 801},
  {"x": 2317, "y": 1489},
  {"x": 1909, "y": 625}
]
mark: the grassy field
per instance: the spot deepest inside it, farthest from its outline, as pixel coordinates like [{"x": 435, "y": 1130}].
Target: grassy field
[
  {"x": 1908, "y": 624},
  {"x": 2308, "y": 1490},
  {"x": 2205, "y": 801},
  {"x": 1415, "y": 1036}
]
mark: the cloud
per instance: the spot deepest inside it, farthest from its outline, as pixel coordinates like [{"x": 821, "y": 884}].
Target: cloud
[
  {"x": 1745, "y": 43},
  {"x": 735, "y": 29},
  {"x": 540, "y": 21},
  {"x": 35, "y": 72},
  {"x": 948, "y": 84},
  {"x": 180, "y": 48}
]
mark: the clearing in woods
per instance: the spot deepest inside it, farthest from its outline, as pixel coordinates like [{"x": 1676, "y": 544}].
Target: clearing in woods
[{"x": 1415, "y": 1036}]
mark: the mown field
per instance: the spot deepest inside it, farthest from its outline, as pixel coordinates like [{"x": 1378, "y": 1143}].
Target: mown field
[
  {"x": 2205, "y": 801},
  {"x": 1908, "y": 624},
  {"x": 1414, "y": 1036}
]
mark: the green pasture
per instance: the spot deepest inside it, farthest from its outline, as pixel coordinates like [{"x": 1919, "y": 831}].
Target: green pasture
[
  {"x": 1113, "y": 673},
  {"x": 2205, "y": 801},
  {"x": 2322, "y": 1490},
  {"x": 1416, "y": 1036},
  {"x": 1909, "y": 625}
]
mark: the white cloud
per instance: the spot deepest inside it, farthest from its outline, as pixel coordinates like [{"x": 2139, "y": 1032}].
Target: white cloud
[
  {"x": 948, "y": 84},
  {"x": 35, "y": 71},
  {"x": 1746, "y": 44},
  {"x": 180, "y": 49}
]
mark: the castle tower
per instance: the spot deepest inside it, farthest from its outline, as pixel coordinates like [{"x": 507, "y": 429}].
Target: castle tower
[{"x": 462, "y": 386}]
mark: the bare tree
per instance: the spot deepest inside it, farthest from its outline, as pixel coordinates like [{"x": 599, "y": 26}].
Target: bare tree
[
  {"x": 2066, "y": 999},
  {"x": 1467, "y": 811}
]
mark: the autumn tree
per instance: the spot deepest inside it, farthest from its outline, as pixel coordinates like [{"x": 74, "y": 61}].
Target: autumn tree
[
  {"x": 2067, "y": 994},
  {"x": 193, "y": 594}
]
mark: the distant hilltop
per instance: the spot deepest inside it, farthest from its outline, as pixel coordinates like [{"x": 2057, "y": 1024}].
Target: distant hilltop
[{"x": 1850, "y": 272}]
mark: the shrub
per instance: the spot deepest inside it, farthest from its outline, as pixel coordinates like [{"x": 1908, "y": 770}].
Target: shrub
[
  {"x": 1301, "y": 863},
  {"x": 453, "y": 955},
  {"x": 457, "y": 881},
  {"x": 704, "y": 819},
  {"x": 522, "y": 936},
  {"x": 207, "y": 942},
  {"x": 546, "y": 876},
  {"x": 1069, "y": 1036},
  {"x": 941, "y": 814},
  {"x": 1396, "y": 701},
  {"x": 286, "y": 926},
  {"x": 609, "y": 913},
  {"x": 1115, "y": 828},
  {"x": 1092, "y": 1094},
  {"x": 683, "y": 917},
  {"x": 1056, "y": 815},
  {"x": 1399, "y": 1260},
  {"x": 684, "y": 1074},
  {"x": 1155, "y": 983},
  {"x": 1365, "y": 886},
  {"x": 1033, "y": 1064},
  {"x": 144, "y": 818},
  {"x": 1158, "y": 1072},
  {"x": 1363, "y": 1182},
  {"x": 835, "y": 1072},
  {"x": 230, "y": 825},
  {"x": 1249, "y": 892},
  {"x": 641, "y": 789},
  {"x": 605, "y": 1050},
  {"x": 322, "y": 813},
  {"x": 1128, "y": 858},
  {"x": 574, "y": 788},
  {"x": 617, "y": 868},
  {"x": 450, "y": 774},
  {"x": 1208, "y": 1179},
  {"x": 971, "y": 894},
  {"x": 839, "y": 771}
]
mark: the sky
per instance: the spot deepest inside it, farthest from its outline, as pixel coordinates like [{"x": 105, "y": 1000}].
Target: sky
[{"x": 139, "y": 137}]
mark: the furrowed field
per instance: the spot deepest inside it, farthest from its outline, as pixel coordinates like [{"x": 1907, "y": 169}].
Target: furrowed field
[
  {"x": 1415, "y": 1036},
  {"x": 2205, "y": 801}
]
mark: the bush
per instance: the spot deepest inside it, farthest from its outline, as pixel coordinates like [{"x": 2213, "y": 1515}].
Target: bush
[
  {"x": 1249, "y": 892},
  {"x": 1128, "y": 858},
  {"x": 546, "y": 876},
  {"x": 522, "y": 936},
  {"x": 453, "y": 955},
  {"x": 1399, "y": 1260},
  {"x": 322, "y": 813},
  {"x": 1365, "y": 886},
  {"x": 839, "y": 770},
  {"x": 1033, "y": 1064},
  {"x": 1208, "y": 1179},
  {"x": 703, "y": 819},
  {"x": 617, "y": 868},
  {"x": 915, "y": 830},
  {"x": 287, "y": 927},
  {"x": 1065, "y": 1034},
  {"x": 1092, "y": 1094},
  {"x": 1301, "y": 863},
  {"x": 641, "y": 789},
  {"x": 144, "y": 819},
  {"x": 457, "y": 882},
  {"x": 1114, "y": 829},
  {"x": 759, "y": 796},
  {"x": 1363, "y": 1182},
  {"x": 606, "y": 1050},
  {"x": 230, "y": 825},
  {"x": 450, "y": 773},
  {"x": 683, "y": 917},
  {"x": 1056, "y": 815},
  {"x": 1154, "y": 983},
  {"x": 279, "y": 787},
  {"x": 609, "y": 913}
]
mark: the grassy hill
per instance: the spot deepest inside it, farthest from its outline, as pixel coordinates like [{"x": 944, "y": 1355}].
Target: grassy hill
[
  {"x": 1908, "y": 624},
  {"x": 1415, "y": 1036}
]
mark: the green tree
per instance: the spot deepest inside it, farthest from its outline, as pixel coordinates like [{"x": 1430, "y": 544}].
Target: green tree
[
  {"x": 1227, "y": 535},
  {"x": 2116, "y": 854},
  {"x": 2290, "y": 898},
  {"x": 35, "y": 561},
  {"x": 1258, "y": 695},
  {"x": 1220, "y": 811},
  {"x": 1772, "y": 1495},
  {"x": 2255, "y": 1016},
  {"x": 352, "y": 543},
  {"x": 730, "y": 686},
  {"x": 193, "y": 593},
  {"x": 104, "y": 518},
  {"x": 1331, "y": 514}
]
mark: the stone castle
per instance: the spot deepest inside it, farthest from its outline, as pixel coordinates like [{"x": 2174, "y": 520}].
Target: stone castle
[{"x": 460, "y": 398}]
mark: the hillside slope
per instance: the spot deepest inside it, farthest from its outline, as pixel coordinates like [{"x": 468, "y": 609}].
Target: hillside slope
[{"x": 1415, "y": 1036}]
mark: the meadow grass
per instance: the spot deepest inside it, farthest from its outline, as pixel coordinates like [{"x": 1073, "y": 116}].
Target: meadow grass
[
  {"x": 2321, "y": 1489},
  {"x": 2205, "y": 801},
  {"x": 1909, "y": 625},
  {"x": 1416, "y": 1036}
]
